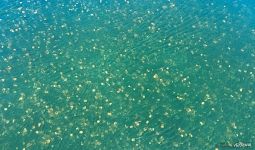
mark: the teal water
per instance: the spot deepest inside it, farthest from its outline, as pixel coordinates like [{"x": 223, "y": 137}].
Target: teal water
[{"x": 142, "y": 74}]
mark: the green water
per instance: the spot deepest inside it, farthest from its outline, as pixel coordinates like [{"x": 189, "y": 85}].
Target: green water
[{"x": 122, "y": 75}]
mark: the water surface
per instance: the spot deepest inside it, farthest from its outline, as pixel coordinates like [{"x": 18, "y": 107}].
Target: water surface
[{"x": 142, "y": 74}]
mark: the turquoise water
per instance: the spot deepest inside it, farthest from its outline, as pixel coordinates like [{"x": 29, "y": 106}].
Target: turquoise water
[{"x": 142, "y": 74}]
